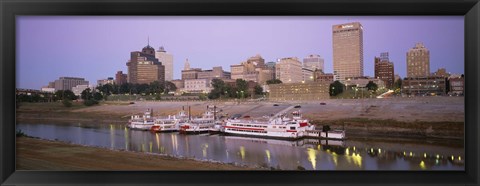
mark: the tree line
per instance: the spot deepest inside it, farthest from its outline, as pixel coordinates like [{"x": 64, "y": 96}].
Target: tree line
[
  {"x": 101, "y": 92},
  {"x": 239, "y": 90}
]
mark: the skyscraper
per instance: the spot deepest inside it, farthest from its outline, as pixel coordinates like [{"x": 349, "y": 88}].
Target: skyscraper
[
  {"x": 143, "y": 67},
  {"x": 347, "y": 50},
  {"x": 167, "y": 60},
  {"x": 418, "y": 61},
  {"x": 384, "y": 70}
]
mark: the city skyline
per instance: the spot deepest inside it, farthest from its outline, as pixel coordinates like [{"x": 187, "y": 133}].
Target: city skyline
[{"x": 97, "y": 47}]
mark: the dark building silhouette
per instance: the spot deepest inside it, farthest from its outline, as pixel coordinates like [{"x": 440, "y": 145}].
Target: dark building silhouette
[{"x": 120, "y": 78}]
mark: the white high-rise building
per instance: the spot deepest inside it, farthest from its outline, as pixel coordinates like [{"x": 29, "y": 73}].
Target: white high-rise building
[
  {"x": 167, "y": 60},
  {"x": 67, "y": 83},
  {"x": 289, "y": 70},
  {"x": 313, "y": 62}
]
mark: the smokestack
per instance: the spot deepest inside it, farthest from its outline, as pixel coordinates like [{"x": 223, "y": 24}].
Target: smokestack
[
  {"x": 189, "y": 116},
  {"x": 214, "y": 112}
]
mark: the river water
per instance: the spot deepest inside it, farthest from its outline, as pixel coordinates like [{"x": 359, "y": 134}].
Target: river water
[{"x": 309, "y": 154}]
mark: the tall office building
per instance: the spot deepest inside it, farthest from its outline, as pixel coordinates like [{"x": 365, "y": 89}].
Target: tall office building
[
  {"x": 384, "y": 70},
  {"x": 418, "y": 61},
  {"x": 143, "y": 67},
  {"x": 347, "y": 50},
  {"x": 289, "y": 70},
  {"x": 167, "y": 60},
  {"x": 313, "y": 62}
]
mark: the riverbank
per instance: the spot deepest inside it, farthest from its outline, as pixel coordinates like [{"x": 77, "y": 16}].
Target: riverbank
[
  {"x": 37, "y": 154},
  {"x": 419, "y": 117}
]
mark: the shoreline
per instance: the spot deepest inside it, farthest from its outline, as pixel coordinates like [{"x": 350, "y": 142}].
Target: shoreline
[
  {"x": 41, "y": 154},
  {"x": 422, "y": 117},
  {"x": 357, "y": 128}
]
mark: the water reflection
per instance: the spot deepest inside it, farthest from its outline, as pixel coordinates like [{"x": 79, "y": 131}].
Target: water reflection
[
  {"x": 312, "y": 157},
  {"x": 310, "y": 154},
  {"x": 267, "y": 153}
]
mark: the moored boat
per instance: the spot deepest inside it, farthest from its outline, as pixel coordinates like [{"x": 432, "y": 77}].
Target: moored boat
[
  {"x": 144, "y": 122},
  {"x": 170, "y": 123},
  {"x": 280, "y": 127},
  {"x": 199, "y": 125}
]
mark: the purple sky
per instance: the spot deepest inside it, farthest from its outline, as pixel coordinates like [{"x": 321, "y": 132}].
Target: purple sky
[{"x": 94, "y": 48}]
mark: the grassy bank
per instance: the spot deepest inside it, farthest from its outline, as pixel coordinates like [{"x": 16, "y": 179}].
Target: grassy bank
[
  {"x": 55, "y": 112},
  {"x": 358, "y": 127},
  {"x": 36, "y": 154}
]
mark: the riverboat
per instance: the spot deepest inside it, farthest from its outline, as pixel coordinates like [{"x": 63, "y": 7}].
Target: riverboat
[
  {"x": 144, "y": 122},
  {"x": 170, "y": 123},
  {"x": 217, "y": 128},
  {"x": 199, "y": 125},
  {"x": 280, "y": 127}
]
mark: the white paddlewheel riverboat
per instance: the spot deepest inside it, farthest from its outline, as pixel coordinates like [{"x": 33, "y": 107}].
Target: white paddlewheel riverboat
[
  {"x": 170, "y": 123},
  {"x": 144, "y": 122},
  {"x": 199, "y": 125},
  {"x": 277, "y": 127}
]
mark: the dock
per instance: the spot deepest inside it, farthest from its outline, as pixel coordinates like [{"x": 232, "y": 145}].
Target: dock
[{"x": 333, "y": 134}]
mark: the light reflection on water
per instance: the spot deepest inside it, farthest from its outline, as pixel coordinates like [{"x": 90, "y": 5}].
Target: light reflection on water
[{"x": 310, "y": 154}]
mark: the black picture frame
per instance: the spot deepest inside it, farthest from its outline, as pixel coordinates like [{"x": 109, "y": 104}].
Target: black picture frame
[{"x": 470, "y": 9}]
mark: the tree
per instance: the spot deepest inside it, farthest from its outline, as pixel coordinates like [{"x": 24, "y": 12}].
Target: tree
[
  {"x": 115, "y": 89},
  {"x": 230, "y": 91},
  {"x": 218, "y": 89},
  {"x": 58, "y": 95},
  {"x": 154, "y": 87},
  {"x": 144, "y": 88},
  {"x": 97, "y": 96},
  {"x": 169, "y": 86},
  {"x": 397, "y": 84},
  {"x": 86, "y": 94},
  {"x": 125, "y": 88},
  {"x": 336, "y": 88},
  {"x": 258, "y": 90},
  {"x": 242, "y": 88},
  {"x": 69, "y": 95},
  {"x": 106, "y": 89},
  {"x": 273, "y": 81},
  {"x": 372, "y": 86}
]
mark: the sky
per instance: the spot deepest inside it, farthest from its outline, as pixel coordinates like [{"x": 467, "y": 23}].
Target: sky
[{"x": 96, "y": 47}]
